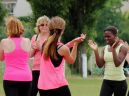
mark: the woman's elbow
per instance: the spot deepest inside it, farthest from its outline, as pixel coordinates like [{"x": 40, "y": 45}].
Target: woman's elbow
[
  {"x": 118, "y": 64},
  {"x": 71, "y": 62},
  {"x": 100, "y": 65},
  {"x": 1, "y": 59}
]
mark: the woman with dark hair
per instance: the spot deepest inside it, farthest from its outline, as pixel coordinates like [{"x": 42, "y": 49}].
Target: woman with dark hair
[
  {"x": 52, "y": 81},
  {"x": 112, "y": 59}
]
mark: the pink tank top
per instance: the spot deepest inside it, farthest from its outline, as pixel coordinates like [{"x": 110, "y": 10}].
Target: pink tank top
[
  {"x": 37, "y": 56},
  {"x": 51, "y": 77},
  {"x": 16, "y": 63}
]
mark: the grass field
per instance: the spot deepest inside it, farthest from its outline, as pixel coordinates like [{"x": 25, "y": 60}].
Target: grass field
[
  {"x": 85, "y": 87},
  {"x": 78, "y": 86}
]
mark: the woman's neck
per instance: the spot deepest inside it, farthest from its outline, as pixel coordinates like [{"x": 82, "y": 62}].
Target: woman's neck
[{"x": 44, "y": 34}]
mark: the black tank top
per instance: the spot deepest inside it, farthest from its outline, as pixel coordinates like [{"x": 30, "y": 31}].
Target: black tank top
[{"x": 57, "y": 63}]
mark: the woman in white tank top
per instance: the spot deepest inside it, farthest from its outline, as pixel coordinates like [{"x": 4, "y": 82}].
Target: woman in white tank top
[{"x": 112, "y": 59}]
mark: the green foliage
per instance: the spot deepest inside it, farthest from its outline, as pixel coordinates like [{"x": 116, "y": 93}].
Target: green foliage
[
  {"x": 80, "y": 16},
  {"x": 49, "y": 7},
  {"x": 3, "y": 12},
  {"x": 29, "y": 30},
  {"x": 97, "y": 71},
  {"x": 110, "y": 15},
  {"x": 125, "y": 36},
  {"x": 2, "y": 32},
  {"x": 81, "y": 19},
  {"x": 28, "y": 23},
  {"x": 26, "y": 19}
]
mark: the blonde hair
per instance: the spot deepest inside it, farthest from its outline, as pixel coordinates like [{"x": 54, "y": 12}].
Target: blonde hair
[
  {"x": 40, "y": 21},
  {"x": 57, "y": 26},
  {"x": 14, "y": 27}
]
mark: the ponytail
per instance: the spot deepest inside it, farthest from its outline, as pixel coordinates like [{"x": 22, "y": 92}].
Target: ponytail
[{"x": 50, "y": 46}]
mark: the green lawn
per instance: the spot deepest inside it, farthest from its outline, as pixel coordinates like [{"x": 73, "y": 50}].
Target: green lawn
[
  {"x": 85, "y": 87},
  {"x": 78, "y": 86}
]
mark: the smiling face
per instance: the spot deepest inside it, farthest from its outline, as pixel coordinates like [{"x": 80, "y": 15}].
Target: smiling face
[
  {"x": 44, "y": 27},
  {"x": 109, "y": 37}
]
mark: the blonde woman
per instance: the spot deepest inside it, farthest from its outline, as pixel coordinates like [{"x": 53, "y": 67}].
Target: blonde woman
[
  {"x": 52, "y": 81},
  {"x": 14, "y": 51},
  {"x": 42, "y": 30}
]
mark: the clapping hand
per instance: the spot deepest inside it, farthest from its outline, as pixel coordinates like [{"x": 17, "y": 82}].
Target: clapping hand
[
  {"x": 80, "y": 39},
  {"x": 35, "y": 45},
  {"x": 92, "y": 44},
  {"x": 116, "y": 43}
]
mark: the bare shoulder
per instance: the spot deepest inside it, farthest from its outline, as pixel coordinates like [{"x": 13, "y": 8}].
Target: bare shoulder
[
  {"x": 25, "y": 44},
  {"x": 34, "y": 36},
  {"x": 63, "y": 50},
  {"x": 123, "y": 48},
  {"x": 5, "y": 40},
  {"x": 26, "y": 39}
]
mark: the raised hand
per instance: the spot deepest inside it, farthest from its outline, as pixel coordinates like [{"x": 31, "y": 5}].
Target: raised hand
[
  {"x": 35, "y": 45},
  {"x": 83, "y": 36},
  {"x": 125, "y": 43},
  {"x": 76, "y": 40},
  {"x": 80, "y": 39},
  {"x": 92, "y": 44},
  {"x": 116, "y": 43}
]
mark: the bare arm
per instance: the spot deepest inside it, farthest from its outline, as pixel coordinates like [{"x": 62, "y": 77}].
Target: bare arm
[
  {"x": 127, "y": 57},
  {"x": 70, "y": 44},
  {"x": 70, "y": 57},
  {"x": 64, "y": 51},
  {"x": 118, "y": 59},
  {"x": 1, "y": 51},
  {"x": 99, "y": 59},
  {"x": 34, "y": 46}
]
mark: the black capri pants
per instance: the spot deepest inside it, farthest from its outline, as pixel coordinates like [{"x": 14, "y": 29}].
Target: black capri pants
[
  {"x": 62, "y": 91},
  {"x": 34, "y": 90},
  {"x": 17, "y": 88},
  {"x": 109, "y": 87}
]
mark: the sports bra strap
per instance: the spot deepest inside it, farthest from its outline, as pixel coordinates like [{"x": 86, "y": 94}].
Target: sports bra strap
[
  {"x": 36, "y": 37},
  {"x": 59, "y": 47}
]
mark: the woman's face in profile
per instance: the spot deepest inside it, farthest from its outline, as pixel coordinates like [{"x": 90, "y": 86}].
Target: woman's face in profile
[{"x": 109, "y": 37}]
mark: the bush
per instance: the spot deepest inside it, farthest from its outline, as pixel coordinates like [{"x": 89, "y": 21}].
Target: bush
[
  {"x": 29, "y": 25},
  {"x": 2, "y": 32},
  {"x": 97, "y": 71}
]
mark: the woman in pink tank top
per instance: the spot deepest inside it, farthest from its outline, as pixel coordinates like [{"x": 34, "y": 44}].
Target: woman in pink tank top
[
  {"x": 42, "y": 30},
  {"x": 52, "y": 81},
  {"x": 37, "y": 41},
  {"x": 15, "y": 51}
]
